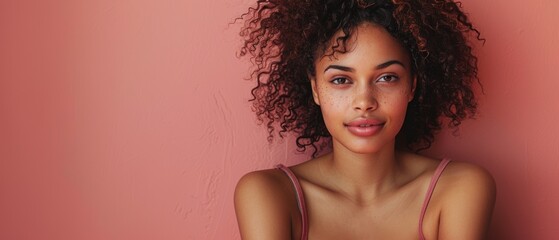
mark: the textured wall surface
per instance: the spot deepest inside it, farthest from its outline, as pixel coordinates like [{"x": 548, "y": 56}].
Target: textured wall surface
[{"x": 124, "y": 119}]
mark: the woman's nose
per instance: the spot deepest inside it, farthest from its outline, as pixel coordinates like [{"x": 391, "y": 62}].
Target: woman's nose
[{"x": 365, "y": 100}]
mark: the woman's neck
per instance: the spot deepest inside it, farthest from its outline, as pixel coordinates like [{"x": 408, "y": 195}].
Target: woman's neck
[{"x": 362, "y": 176}]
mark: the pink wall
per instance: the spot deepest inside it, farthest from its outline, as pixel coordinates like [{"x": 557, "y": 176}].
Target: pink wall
[{"x": 129, "y": 119}]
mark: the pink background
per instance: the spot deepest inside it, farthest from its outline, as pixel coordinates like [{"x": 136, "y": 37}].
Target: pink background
[{"x": 128, "y": 119}]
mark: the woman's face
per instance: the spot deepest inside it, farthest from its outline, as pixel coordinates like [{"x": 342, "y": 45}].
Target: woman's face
[{"x": 363, "y": 93}]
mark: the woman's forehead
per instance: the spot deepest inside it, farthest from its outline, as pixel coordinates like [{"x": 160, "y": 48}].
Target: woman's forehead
[{"x": 368, "y": 41}]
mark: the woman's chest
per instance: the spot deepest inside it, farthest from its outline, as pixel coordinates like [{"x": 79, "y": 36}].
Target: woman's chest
[{"x": 396, "y": 216}]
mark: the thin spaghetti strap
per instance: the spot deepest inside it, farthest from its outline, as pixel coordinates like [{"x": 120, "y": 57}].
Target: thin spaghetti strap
[
  {"x": 429, "y": 193},
  {"x": 300, "y": 199}
]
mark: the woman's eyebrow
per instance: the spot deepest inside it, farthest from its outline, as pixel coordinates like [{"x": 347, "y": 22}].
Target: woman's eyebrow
[
  {"x": 339, "y": 67},
  {"x": 380, "y": 66},
  {"x": 391, "y": 62}
]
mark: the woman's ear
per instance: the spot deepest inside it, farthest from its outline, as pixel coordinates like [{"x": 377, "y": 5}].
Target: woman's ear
[
  {"x": 413, "y": 87},
  {"x": 315, "y": 97}
]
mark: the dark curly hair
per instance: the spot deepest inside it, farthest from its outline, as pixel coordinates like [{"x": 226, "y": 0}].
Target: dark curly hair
[{"x": 283, "y": 38}]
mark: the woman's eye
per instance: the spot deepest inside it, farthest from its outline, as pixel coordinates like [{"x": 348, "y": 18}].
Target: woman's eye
[
  {"x": 339, "y": 81},
  {"x": 388, "y": 78}
]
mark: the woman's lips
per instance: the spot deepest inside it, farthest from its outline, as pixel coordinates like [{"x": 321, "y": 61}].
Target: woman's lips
[{"x": 364, "y": 127}]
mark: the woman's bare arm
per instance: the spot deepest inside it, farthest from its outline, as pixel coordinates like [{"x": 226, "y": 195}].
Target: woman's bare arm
[
  {"x": 468, "y": 203},
  {"x": 262, "y": 207}
]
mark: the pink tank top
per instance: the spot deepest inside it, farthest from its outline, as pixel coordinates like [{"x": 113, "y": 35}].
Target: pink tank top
[{"x": 303, "y": 208}]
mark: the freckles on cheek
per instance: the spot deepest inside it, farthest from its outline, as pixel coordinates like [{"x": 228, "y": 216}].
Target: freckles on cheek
[
  {"x": 324, "y": 94},
  {"x": 344, "y": 99},
  {"x": 332, "y": 99}
]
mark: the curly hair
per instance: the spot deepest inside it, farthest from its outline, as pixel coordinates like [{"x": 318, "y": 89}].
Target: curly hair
[{"x": 282, "y": 38}]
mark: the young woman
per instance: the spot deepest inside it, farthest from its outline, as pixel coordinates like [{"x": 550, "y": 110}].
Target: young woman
[{"x": 372, "y": 79}]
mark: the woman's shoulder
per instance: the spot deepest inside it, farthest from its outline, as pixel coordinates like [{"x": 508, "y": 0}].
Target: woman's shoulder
[
  {"x": 459, "y": 177},
  {"x": 462, "y": 199},
  {"x": 269, "y": 183},
  {"x": 464, "y": 196},
  {"x": 264, "y": 203},
  {"x": 456, "y": 174}
]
